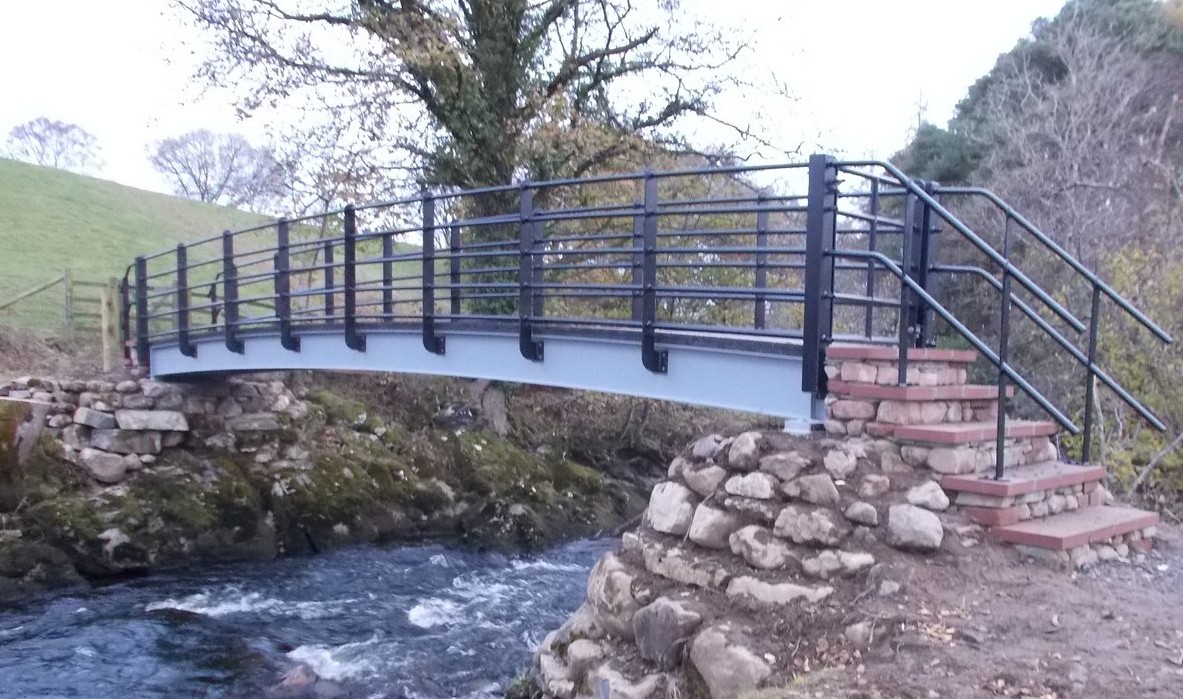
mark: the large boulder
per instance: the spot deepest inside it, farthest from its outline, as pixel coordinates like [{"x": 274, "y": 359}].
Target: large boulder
[
  {"x": 816, "y": 489},
  {"x": 910, "y": 527},
  {"x": 813, "y": 526},
  {"x": 93, "y": 418},
  {"x": 671, "y": 508},
  {"x": 728, "y": 668},
  {"x": 760, "y": 486},
  {"x": 610, "y": 594},
  {"x": 930, "y": 496},
  {"x": 156, "y": 420},
  {"x": 126, "y": 441},
  {"x": 607, "y": 683},
  {"x": 661, "y": 629},
  {"x": 712, "y": 527},
  {"x": 757, "y": 546},
  {"x": 704, "y": 480},
  {"x": 708, "y": 447},
  {"x": 744, "y": 454},
  {"x": 103, "y": 466}
]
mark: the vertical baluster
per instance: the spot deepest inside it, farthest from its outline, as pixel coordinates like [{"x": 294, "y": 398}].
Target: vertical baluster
[
  {"x": 431, "y": 342},
  {"x": 183, "y": 343},
  {"x": 527, "y": 227},
  {"x": 758, "y": 318},
  {"x": 142, "y": 346},
  {"x": 653, "y": 359},
  {"x": 820, "y": 232},
  {"x": 283, "y": 286},
  {"x": 387, "y": 276},
  {"x": 638, "y": 262},
  {"x": 353, "y": 339},
  {"x": 454, "y": 247},
  {"x": 906, "y": 295},
  {"x": 873, "y": 246},
  {"x": 1003, "y": 356},
  {"x": 230, "y": 295},
  {"x": 1086, "y": 451},
  {"x": 330, "y": 284}
]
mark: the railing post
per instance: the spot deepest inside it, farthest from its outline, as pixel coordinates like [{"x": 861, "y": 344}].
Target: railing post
[
  {"x": 142, "y": 347},
  {"x": 1003, "y": 355},
  {"x": 758, "y": 313},
  {"x": 68, "y": 305},
  {"x": 638, "y": 263},
  {"x": 431, "y": 342},
  {"x": 820, "y": 230},
  {"x": 873, "y": 246},
  {"x": 387, "y": 276},
  {"x": 283, "y": 286},
  {"x": 183, "y": 342},
  {"x": 653, "y": 359},
  {"x": 330, "y": 308},
  {"x": 230, "y": 295},
  {"x": 125, "y": 318},
  {"x": 907, "y": 298},
  {"x": 1086, "y": 450},
  {"x": 454, "y": 245},
  {"x": 353, "y": 339},
  {"x": 925, "y": 253},
  {"x": 110, "y": 312},
  {"x": 527, "y": 228}
]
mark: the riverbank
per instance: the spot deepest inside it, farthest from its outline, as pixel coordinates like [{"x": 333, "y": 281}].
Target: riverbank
[{"x": 130, "y": 477}]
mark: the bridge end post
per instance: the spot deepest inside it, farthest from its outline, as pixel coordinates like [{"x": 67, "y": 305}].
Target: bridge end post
[
  {"x": 655, "y": 360},
  {"x": 431, "y": 341},
  {"x": 354, "y": 340},
  {"x": 141, "y": 301},
  {"x": 820, "y": 231}
]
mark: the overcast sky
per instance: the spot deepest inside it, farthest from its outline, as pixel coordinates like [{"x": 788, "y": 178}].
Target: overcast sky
[{"x": 857, "y": 68}]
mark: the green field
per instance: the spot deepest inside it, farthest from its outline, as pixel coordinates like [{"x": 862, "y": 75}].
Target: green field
[{"x": 52, "y": 220}]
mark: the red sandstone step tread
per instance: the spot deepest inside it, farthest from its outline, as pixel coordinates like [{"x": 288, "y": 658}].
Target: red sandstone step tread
[
  {"x": 1071, "y": 529},
  {"x": 1025, "y": 479},
  {"x": 917, "y": 393},
  {"x": 884, "y": 353},
  {"x": 966, "y": 432}
]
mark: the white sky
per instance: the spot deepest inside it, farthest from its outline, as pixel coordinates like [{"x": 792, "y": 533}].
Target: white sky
[{"x": 859, "y": 69}]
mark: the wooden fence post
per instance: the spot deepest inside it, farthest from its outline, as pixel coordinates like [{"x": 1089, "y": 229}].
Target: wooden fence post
[
  {"x": 68, "y": 305},
  {"x": 109, "y": 317}
]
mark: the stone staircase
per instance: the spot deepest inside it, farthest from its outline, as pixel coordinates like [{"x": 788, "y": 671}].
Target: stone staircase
[{"x": 1047, "y": 507}]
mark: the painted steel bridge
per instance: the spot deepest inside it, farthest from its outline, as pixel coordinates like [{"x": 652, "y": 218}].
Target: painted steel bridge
[{"x": 718, "y": 286}]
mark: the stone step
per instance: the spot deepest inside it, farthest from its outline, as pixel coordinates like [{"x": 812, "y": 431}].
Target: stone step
[
  {"x": 954, "y": 392},
  {"x": 1069, "y": 530},
  {"x": 1028, "y": 492},
  {"x": 970, "y": 432},
  {"x": 1021, "y": 480},
  {"x": 887, "y": 353}
]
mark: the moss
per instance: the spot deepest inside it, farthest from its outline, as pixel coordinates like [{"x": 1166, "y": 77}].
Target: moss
[
  {"x": 576, "y": 478},
  {"x": 494, "y": 467},
  {"x": 339, "y": 409}
]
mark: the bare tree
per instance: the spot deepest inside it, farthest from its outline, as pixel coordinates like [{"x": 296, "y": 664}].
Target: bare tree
[
  {"x": 55, "y": 144},
  {"x": 462, "y": 88},
  {"x": 220, "y": 168}
]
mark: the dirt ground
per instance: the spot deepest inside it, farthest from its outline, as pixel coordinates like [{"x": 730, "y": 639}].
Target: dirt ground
[{"x": 983, "y": 623}]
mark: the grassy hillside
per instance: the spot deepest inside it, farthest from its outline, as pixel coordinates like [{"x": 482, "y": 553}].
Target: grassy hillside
[{"x": 51, "y": 220}]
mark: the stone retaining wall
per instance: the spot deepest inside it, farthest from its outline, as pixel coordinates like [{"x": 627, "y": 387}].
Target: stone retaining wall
[{"x": 110, "y": 429}]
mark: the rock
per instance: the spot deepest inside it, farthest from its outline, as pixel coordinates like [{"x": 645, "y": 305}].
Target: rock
[
  {"x": 137, "y": 402},
  {"x": 607, "y": 683},
  {"x": 156, "y": 420},
  {"x": 172, "y": 439},
  {"x": 582, "y": 624},
  {"x": 874, "y": 485},
  {"x": 77, "y": 436},
  {"x": 609, "y": 592},
  {"x": 704, "y": 480},
  {"x": 930, "y": 496},
  {"x": 728, "y": 669},
  {"x": 765, "y": 511},
  {"x": 910, "y": 527},
  {"x": 744, "y": 454},
  {"x": 776, "y": 593},
  {"x": 860, "y": 634},
  {"x": 862, "y": 513},
  {"x": 582, "y": 654},
  {"x": 760, "y": 486},
  {"x": 887, "y": 588},
  {"x": 757, "y": 546},
  {"x": 708, "y": 447},
  {"x": 816, "y": 489},
  {"x": 93, "y": 418},
  {"x": 554, "y": 677},
  {"x": 1083, "y": 556},
  {"x": 1106, "y": 553},
  {"x": 818, "y": 527},
  {"x": 677, "y": 467},
  {"x": 661, "y": 629},
  {"x": 158, "y": 389},
  {"x": 104, "y": 467},
  {"x": 228, "y": 407},
  {"x": 855, "y": 562},
  {"x": 711, "y": 527},
  {"x": 840, "y": 463},
  {"x": 127, "y": 387},
  {"x": 126, "y": 441},
  {"x": 254, "y": 422},
  {"x": 683, "y": 567},
  {"x": 671, "y": 508},
  {"x": 785, "y": 465},
  {"x": 824, "y": 565}
]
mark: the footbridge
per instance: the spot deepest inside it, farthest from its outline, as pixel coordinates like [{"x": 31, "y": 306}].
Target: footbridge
[{"x": 720, "y": 286}]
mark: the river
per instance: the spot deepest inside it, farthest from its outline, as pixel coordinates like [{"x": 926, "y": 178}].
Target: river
[{"x": 418, "y": 622}]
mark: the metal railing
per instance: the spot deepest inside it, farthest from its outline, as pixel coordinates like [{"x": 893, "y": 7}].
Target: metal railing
[{"x": 787, "y": 258}]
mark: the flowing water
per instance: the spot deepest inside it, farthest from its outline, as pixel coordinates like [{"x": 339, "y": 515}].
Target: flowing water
[{"x": 419, "y": 622}]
